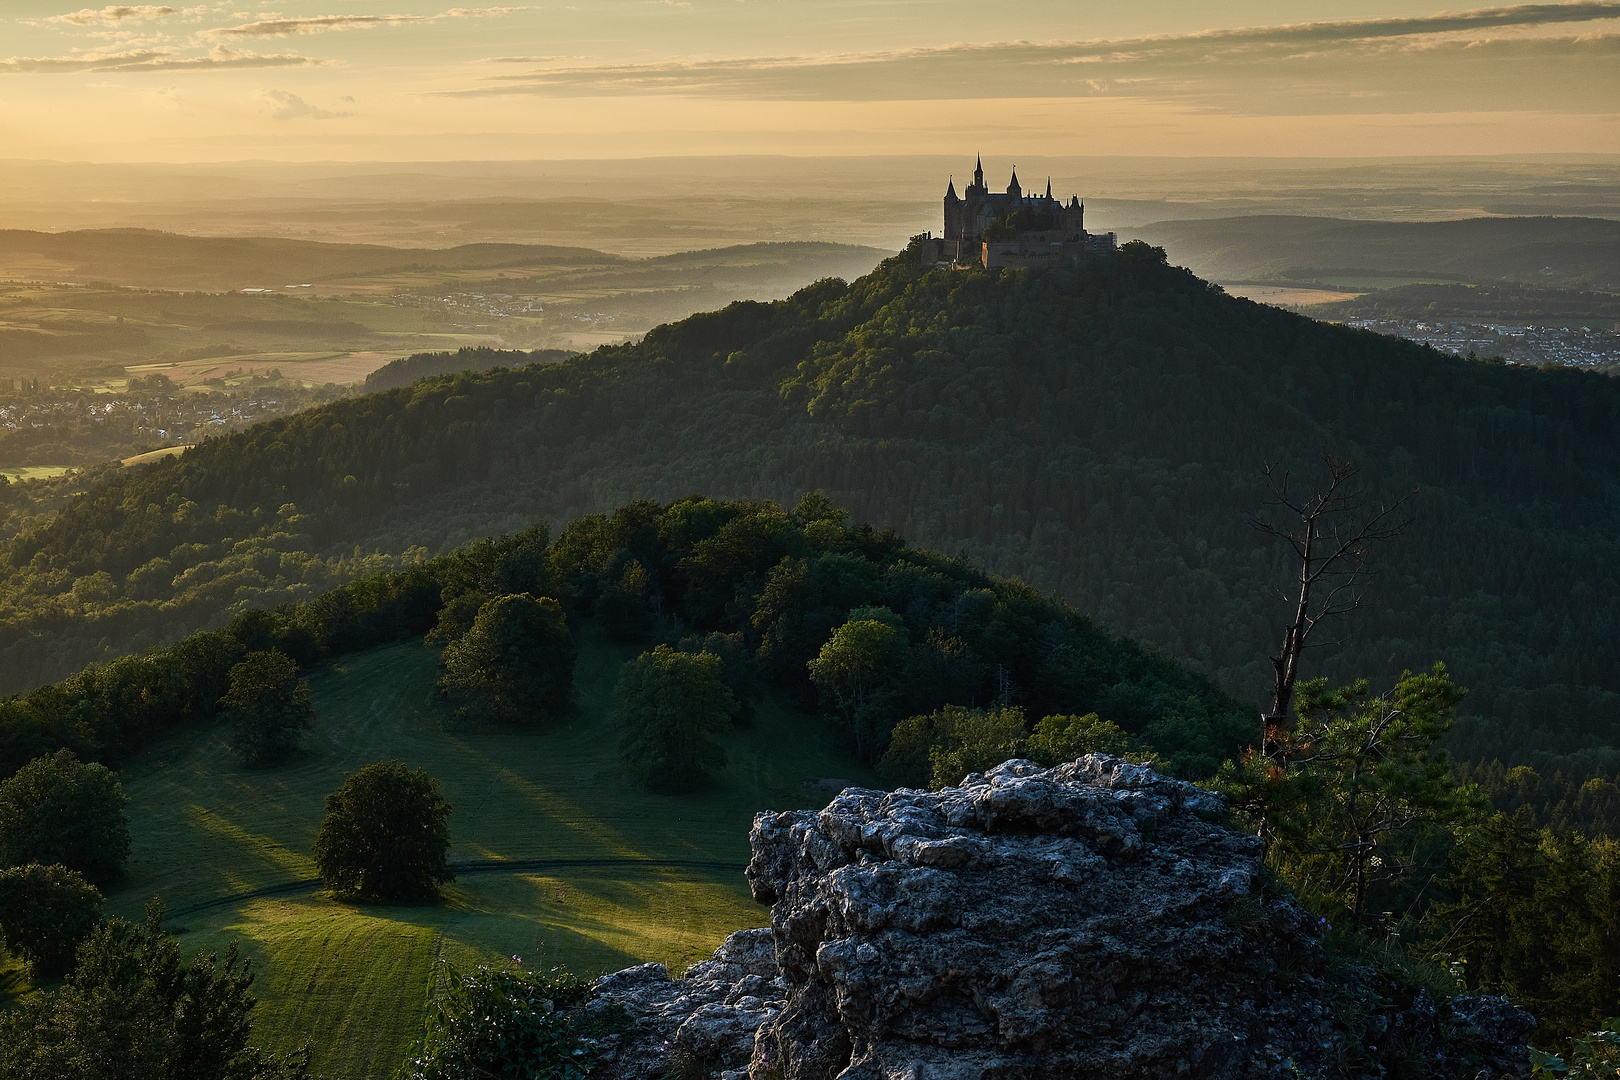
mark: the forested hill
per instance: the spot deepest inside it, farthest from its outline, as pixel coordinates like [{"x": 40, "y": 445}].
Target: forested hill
[{"x": 1098, "y": 432}]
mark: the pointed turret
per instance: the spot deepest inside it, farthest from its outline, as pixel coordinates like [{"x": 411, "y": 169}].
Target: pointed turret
[
  {"x": 1013, "y": 189},
  {"x": 950, "y": 191},
  {"x": 978, "y": 172},
  {"x": 1048, "y": 189}
]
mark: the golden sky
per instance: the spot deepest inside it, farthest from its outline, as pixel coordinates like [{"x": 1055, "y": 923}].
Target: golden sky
[{"x": 358, "y": 80}]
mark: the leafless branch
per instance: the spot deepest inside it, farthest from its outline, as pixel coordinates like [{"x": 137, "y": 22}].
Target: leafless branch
[{"x": 1331, "y": 532}]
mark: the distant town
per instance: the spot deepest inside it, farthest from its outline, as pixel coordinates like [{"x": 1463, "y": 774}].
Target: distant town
[{"x": 1516, "y": 343}]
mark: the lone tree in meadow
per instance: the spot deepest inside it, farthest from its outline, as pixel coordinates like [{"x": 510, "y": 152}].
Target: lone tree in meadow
[
  {"x": 517, "y": 659},
  {"x": 672, "y": 705},
  {"x": 268, "y": 705},
  {"x": 57, "y": 809},
  {"x": 385, "y": 836},
  {"x": 45, "y": 911}
]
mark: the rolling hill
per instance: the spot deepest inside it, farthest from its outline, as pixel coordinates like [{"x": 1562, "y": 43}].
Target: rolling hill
[
  {"x": 1098, "y": 432},
  {"x": 561, "y": 859},
  {"x": 1571, "y": 253}
]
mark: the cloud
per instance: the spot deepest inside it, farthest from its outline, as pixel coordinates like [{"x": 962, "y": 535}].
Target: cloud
[
  {"x": 314, "y": 24},
  {"x": 115, "y": 14},
  {"x": 1531, "y": 55},
  {"x": 151, "y": 60},
  {"x": 321, "y": 24},
  {"x": 287, "y": 106},
  {"x": 528, "y": 59}
]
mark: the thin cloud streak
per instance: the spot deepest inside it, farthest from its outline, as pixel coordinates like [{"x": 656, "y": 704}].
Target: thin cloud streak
[
  {"x": 219, "y": 58},
  {"x": 322, "y": 24},
  {"x": 115, "y": 13},
  {"x": 314, "y": 24},
  {"x": 1316, "y": 66}
]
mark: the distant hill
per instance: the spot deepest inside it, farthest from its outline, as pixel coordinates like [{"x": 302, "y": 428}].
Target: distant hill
[
  {"x": 1487, "y": 302},
  {"x": 1099, "y": 433},
  {"x": 1579, "y": 253},
  {"x": 143, "y": 258},
  {"x": 408, "y": 369}
]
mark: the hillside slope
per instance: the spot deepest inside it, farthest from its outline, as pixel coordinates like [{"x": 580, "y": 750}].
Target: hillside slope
[
  {"x": 603, "y": 874},
  {"x": 1568, "y": 252},
  {"x": 1099, "y": 433},
  {"x": 149, "y": 259}
]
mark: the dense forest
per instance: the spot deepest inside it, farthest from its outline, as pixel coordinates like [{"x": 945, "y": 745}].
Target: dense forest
[
  {"x": 1098, "y": 432},
  {"x": 407, "y": 369},
  {"x": 762, "y": 588}
]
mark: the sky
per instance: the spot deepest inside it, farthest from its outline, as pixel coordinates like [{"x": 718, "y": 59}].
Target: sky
[{"x": 370, "y": 80}]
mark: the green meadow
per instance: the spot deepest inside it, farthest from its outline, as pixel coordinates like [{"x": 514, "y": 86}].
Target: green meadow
[{"x": 603, "y": 875}]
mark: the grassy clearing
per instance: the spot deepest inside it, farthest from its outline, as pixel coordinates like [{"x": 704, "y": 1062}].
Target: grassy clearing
[
  {"x": 35, "y": 472},
  {"x": 353, "y": 980}
]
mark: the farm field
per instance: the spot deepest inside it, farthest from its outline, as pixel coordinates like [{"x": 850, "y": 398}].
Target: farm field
[
  {"x": 610, "y": 875},
  {"x": 89, "y": 310}
]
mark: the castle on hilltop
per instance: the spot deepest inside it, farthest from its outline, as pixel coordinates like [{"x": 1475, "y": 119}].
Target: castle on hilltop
[{"x": 1010, "y": 228}]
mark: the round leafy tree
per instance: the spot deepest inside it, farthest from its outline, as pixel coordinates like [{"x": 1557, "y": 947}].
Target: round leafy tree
[
  {"x": 45, "y": 911},
  {"x": 517, "y": 659},
  {"x": 59, "y": 810},
  {"x": 269, "y": 706},
  {"x": 671, "y": 707},
  {"x": 385, "y": 836}
]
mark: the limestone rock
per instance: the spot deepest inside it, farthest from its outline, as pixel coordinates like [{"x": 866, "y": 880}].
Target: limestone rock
[
  {"x": 1091, "y": 920},
  {"x": 711, "y": 1014}
]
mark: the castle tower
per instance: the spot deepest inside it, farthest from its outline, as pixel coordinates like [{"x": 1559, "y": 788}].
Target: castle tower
[
  {"x": 1014, "y": 192},
  {"x": 978, "y": 172}
]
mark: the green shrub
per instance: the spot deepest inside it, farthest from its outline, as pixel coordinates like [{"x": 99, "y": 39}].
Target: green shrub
[
  {"x": 503, "y": 1023},
  {"x": 134, "y": 1008},
  {"x": 45, "y": 911},
  {"x": 1598, "y": 1054},
  {"x": 942, "y": 747}
]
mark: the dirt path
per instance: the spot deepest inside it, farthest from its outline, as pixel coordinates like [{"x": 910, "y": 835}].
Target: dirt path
[{"x": 479, "y": 866}]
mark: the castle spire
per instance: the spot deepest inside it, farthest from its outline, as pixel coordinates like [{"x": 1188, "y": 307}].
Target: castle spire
[
  {"x": 950, "y": 191},
  {"x": 1013, "y": 189},
  {"x": 978, "y": 171},
  {"x": 1048, "y": 189}
]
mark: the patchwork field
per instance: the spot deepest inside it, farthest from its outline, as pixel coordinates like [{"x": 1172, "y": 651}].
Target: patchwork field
[
  {"x": 563, "y": 860},
  {"x": 310, "y": 368}
]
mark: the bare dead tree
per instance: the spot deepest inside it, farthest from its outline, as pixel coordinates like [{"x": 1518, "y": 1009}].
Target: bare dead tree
[{"x": 1331, "y": 531}]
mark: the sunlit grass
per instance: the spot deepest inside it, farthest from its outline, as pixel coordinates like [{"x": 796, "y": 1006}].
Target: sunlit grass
[{"x": 351, "y": 980}]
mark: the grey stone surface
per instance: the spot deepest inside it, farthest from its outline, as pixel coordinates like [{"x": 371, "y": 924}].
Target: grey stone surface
[
  {"x": 712, "y": 1013},
  {"x": 1091, "y": 920}
]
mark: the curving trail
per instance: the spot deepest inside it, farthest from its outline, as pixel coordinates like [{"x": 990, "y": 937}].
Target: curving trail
[{"x": 477, "y": 866}]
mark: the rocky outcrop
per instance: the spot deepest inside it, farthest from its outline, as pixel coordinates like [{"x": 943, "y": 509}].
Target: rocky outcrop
[
  {"x": 1091, "y": 920},
  {"x": 708, "y": 1017}
]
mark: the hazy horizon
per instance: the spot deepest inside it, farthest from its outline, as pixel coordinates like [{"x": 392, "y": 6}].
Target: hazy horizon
[
  {"x": 367, "y": 80},
  {"x": 650, "y": 206}
]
